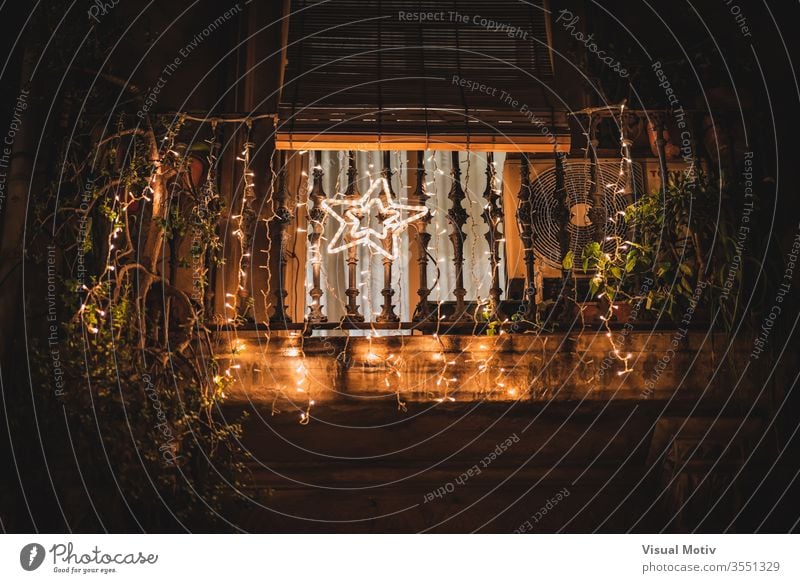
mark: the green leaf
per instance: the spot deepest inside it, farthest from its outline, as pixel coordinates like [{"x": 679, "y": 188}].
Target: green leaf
[
  {"x": 663, "y": 268},
  {"x": 630, "y": 262},
  {"x": 569, "y": 260}
]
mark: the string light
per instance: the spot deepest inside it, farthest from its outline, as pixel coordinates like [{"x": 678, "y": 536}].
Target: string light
[
  {"x": 243, "y": 221},
  {"x": 349, "y": 219}
]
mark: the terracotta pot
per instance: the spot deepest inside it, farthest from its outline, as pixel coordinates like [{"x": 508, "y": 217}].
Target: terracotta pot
[{"x": 672, "y": 150}]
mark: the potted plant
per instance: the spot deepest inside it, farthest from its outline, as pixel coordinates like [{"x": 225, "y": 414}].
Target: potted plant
[{"x": 667, "y": 264}]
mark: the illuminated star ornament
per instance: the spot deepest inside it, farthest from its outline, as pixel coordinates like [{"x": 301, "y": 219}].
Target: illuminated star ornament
[{"x": 350, "y": 211}]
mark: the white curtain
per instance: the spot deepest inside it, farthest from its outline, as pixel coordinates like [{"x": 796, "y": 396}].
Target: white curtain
[{"x": 477, "y": 267}]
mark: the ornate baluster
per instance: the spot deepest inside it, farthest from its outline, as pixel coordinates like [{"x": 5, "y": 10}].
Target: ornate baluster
[
  {"x": 316, "y": 218},
  {"x": 563, "y": 215},
  {"x": 387, "y": 313},
  {"x": 457, "y": 216},
  {"x": 525, "y": 220},
  {"x": 352, "y": 194},
  {"x": 493, "y": 215},
  {"x": 597, "y": 214},
  {"x": 423, "y": 238},
  {"x": 283, "y": 217}
]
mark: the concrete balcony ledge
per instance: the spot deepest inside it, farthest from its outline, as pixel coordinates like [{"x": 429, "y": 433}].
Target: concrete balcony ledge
[{"x": 637, "y": 365}]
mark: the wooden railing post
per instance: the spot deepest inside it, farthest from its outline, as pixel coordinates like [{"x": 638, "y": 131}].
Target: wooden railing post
[
  {"x": 283, "y": 217},
  {"x": 493, "y": 215},
  {"x": 525, "y": 220},
  {"x": 423, "y": 239},
  {"x": 387, "y": 312},
  {"x": 316, "y": 219},
  {"x": 351, "y": 194},
  {"x": 457, "y": 216}
]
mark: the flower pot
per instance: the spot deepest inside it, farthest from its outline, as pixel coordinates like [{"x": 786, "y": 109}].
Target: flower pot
[{"x": 671, "y": 150}]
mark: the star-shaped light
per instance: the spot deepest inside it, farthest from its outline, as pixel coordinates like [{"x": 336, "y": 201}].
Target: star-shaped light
[{"x": 350, "y": 219}]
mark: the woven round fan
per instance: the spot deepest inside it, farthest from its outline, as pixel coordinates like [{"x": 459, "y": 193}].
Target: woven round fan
[{"x": 579, "y": 201}]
